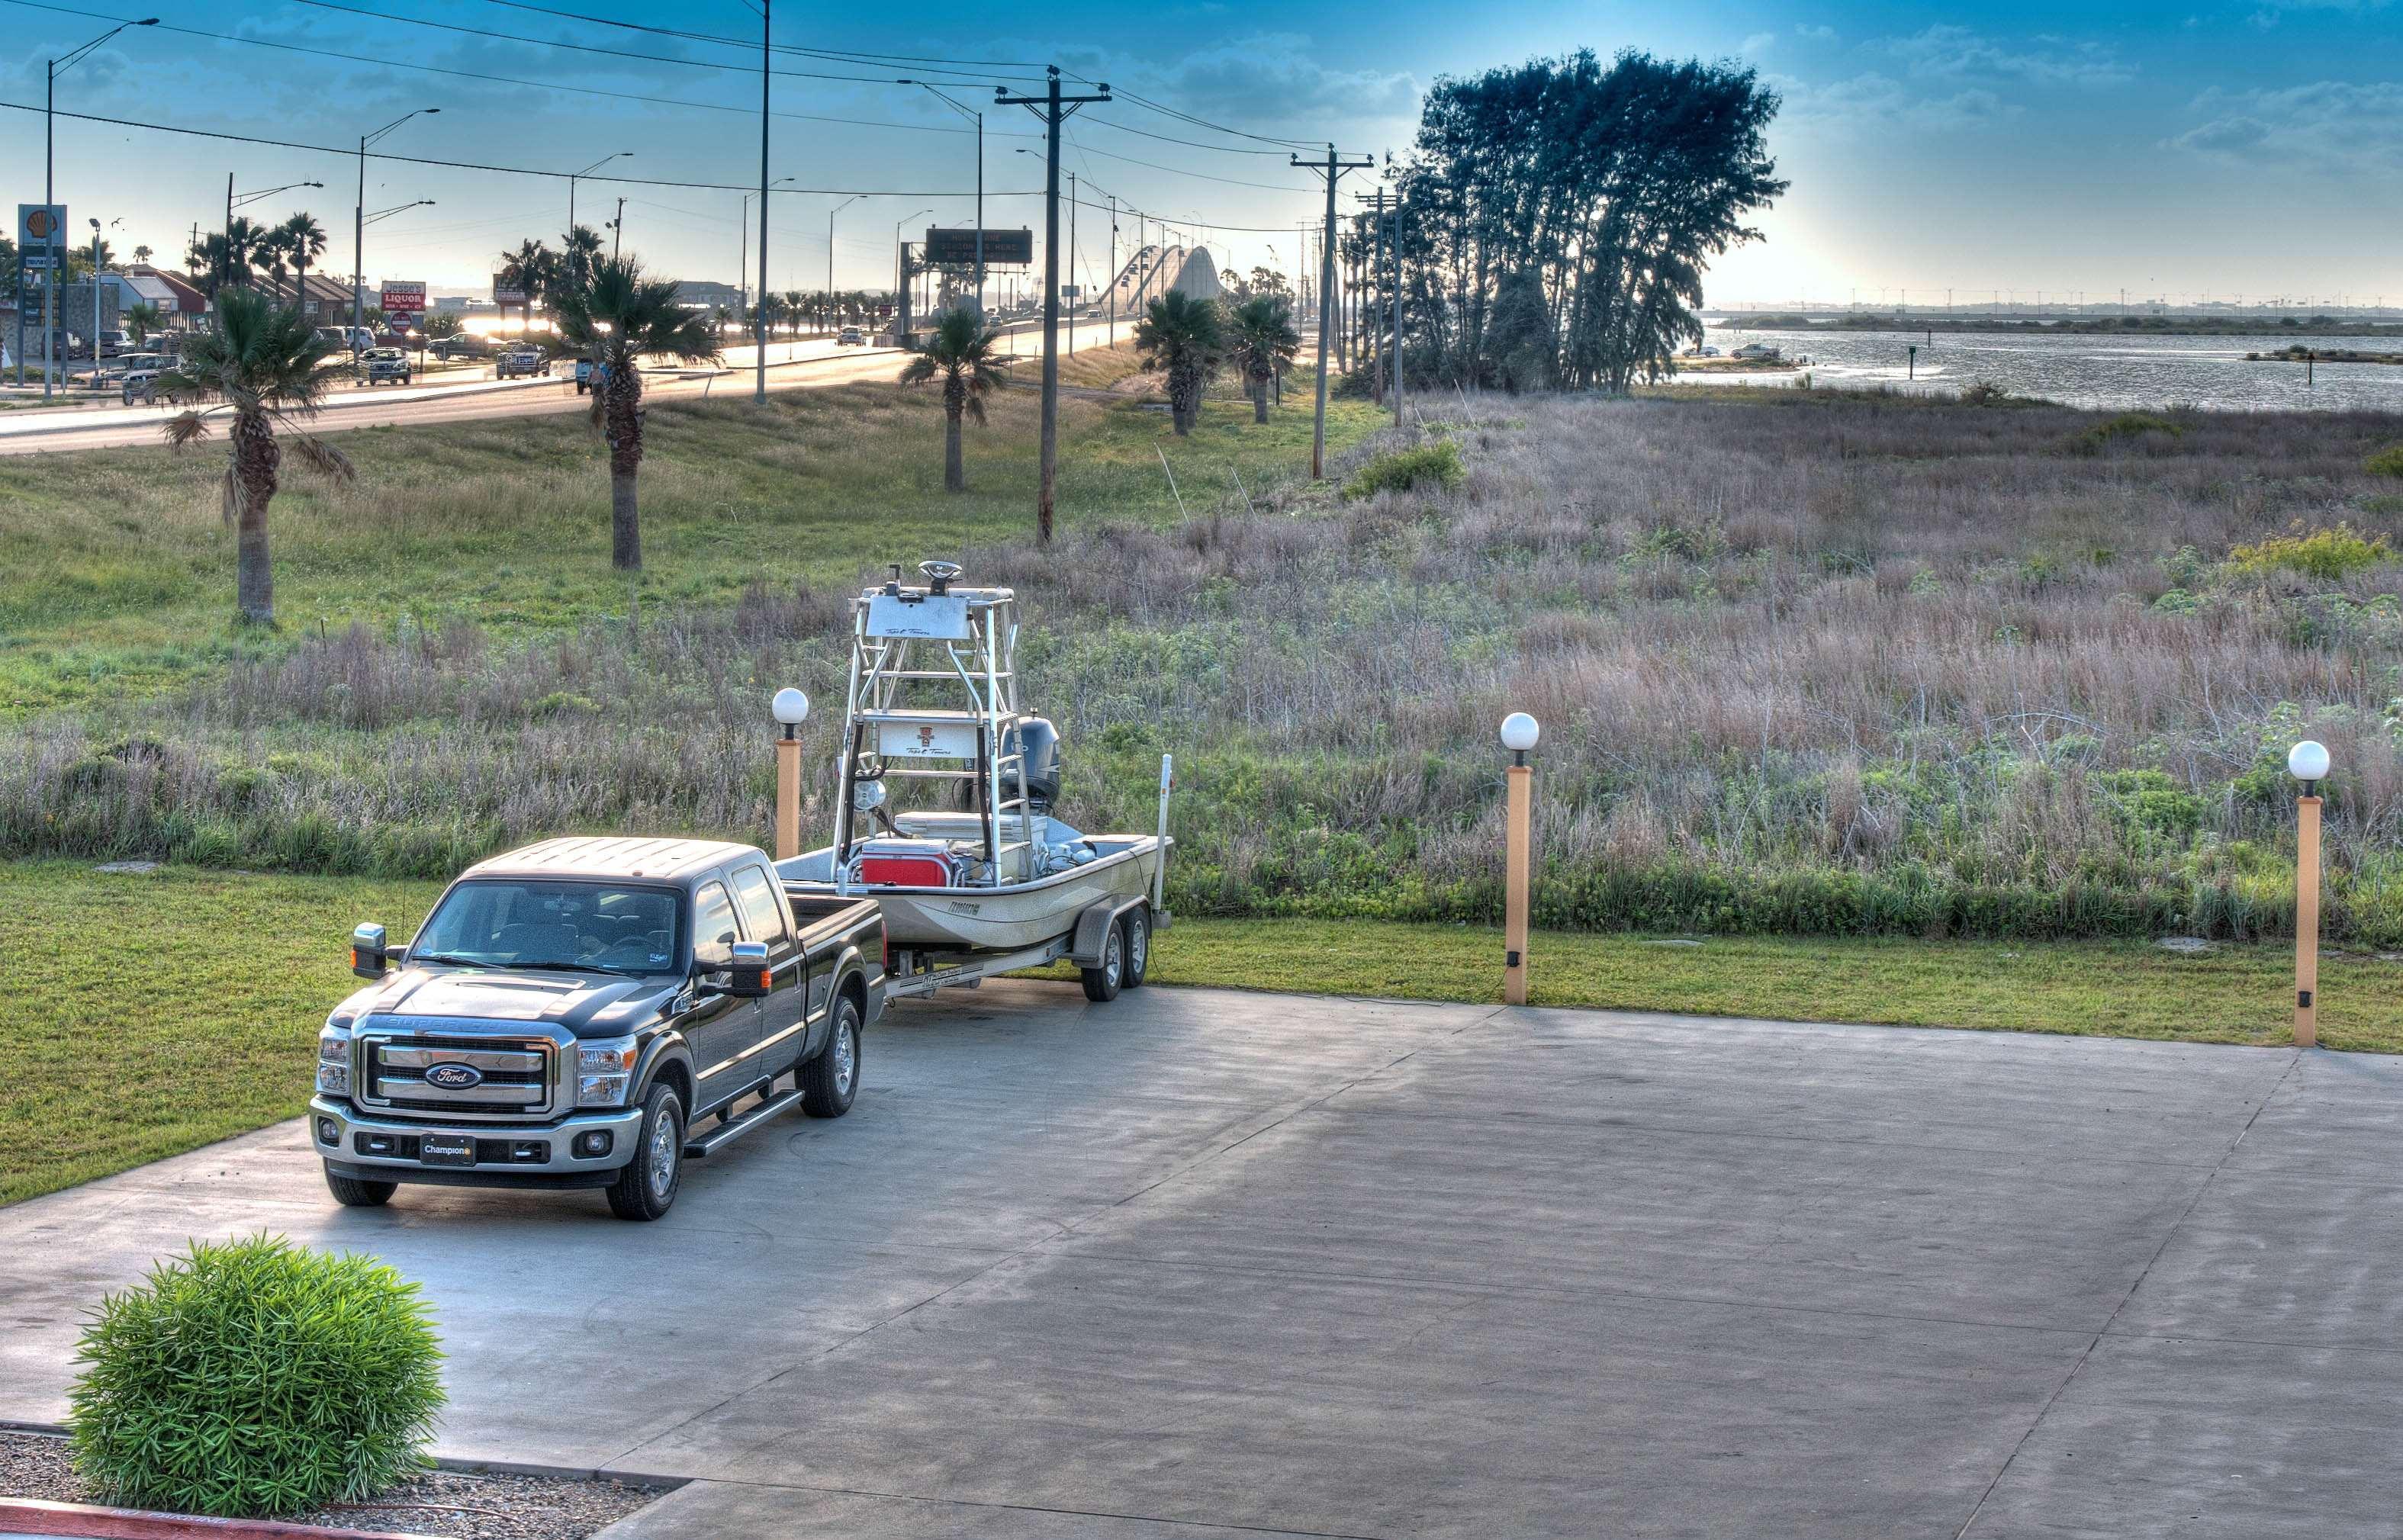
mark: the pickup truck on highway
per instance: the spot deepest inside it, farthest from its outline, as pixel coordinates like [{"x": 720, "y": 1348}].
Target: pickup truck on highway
[
  {"x": 514, "y": 363},
  {"x": 382, "y": 365},
  {"x": 591, "y": 1013}
]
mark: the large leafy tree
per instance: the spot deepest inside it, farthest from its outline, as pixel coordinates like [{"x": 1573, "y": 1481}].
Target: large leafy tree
[
  {"x": 1187, "y": 338},
  {"x": 268, "y": 366},
  {"x": 616, "y": 319},
  {"x": 1264, "y": 344},
  {"x": 1613, "y": 184},
  {"x": 963, "y": 353}
]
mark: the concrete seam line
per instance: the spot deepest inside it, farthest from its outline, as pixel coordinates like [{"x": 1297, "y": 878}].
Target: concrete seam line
[
  {"x": 2293, "y": 1061},
  {"x": 1031, "y": 1507}
]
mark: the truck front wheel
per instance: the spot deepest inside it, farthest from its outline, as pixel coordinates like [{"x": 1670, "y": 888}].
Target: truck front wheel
[
  {"x": 829, "y": 1081},
  {"x": 646, "y": 1187},
  {"x": 353, "y": 1193}
]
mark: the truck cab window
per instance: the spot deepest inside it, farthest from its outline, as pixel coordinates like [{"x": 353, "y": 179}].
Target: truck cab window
[
  {"x": 763, "y": 908},
  {"x": 712, "y": 925}
]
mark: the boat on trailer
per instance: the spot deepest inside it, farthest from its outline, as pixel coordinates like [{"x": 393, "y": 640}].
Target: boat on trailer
[{"x": 945, "y": 811}]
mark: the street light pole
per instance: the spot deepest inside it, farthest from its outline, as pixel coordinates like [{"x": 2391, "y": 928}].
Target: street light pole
[
  {"x": 830, "y": 213},
  {"x": 572, "y": 179},
  {"x": 743, "y": 265},
  {"x": 760, "y": 318},
  {"x": 52, "y": 69},
  {"x": 978, "y": 118},
  {"x": 359, "y": 223}
]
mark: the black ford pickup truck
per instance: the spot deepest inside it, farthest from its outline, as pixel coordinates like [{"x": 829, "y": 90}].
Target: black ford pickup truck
[{"x": 591, "y": 1013}]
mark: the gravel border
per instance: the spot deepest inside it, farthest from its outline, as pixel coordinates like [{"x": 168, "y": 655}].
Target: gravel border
[{"x": 483, "y": 1505}]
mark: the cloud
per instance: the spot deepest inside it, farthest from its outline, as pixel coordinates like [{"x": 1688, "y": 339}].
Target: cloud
[
  {"x": 1265, "y": 77},
  {"x": 2329, "y": 125},
  {"x": 1948, "y": 52},
  {"x": 1759, "y": 44},
  {"x": 1874, "y": 101},
  {"x": 1817, "y": 31}
]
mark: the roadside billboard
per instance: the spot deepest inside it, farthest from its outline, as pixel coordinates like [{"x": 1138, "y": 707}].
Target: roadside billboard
[
  {"x": 404, "y": 305},
  {"x": 958, "y": 248}
]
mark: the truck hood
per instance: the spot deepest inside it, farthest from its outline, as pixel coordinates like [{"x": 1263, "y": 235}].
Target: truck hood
[{"x": 585, "y": 1004}]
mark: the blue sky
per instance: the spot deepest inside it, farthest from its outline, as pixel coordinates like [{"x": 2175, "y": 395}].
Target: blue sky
[{"x": 2251, "y": 146}]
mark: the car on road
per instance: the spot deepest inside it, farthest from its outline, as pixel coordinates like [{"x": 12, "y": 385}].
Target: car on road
[
  {"x": 138, "y": 376},
  {"x": 592, "y": 1013},
  {"x": 851, "y": 337},
  {"x": 516, "y": 363},
  {"x": 466, "y": 344},
  {"x": 384, "y": 366},
  {"x": 346, "y": 338}
]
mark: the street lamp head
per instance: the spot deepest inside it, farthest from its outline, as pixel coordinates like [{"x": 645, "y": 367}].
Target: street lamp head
[
  {"x": 1520, "y": 732},
  {"x": 147, "y": 21},
  {"x": 2308, "y": 762},
  {"x": 791, "y": 706}
]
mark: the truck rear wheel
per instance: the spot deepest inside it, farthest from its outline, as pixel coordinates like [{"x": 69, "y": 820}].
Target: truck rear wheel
[
  {"x": 1103, "y": 983},
  {"x": 647, "y": 1186},
  {"x": 353, "y": 1193},
  {"x": 829, "y": 1081}
]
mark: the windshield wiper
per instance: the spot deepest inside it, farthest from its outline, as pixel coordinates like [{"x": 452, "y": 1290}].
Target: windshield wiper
[
  {"x": 558, "y": 968},
  {"x": 447, "y": 957}
]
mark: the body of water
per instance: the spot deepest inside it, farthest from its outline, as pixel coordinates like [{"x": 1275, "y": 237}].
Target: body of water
[{"x": 2116, "y": 373}]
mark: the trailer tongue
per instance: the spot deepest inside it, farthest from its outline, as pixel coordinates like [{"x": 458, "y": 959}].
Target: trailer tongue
[{"x": 945, "y": 813}]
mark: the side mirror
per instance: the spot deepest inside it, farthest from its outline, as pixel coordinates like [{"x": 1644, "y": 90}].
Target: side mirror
[
  {"x": 752, "y": 976},
  {"x": 368, "y": 951}
]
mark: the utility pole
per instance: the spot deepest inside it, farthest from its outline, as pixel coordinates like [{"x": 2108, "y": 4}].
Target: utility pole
[
  {"x": 759, "y": 311},
  {"x": 1114, "y": 271},
  {"x": 1053, "y": 109},
  {"x": 617, "y": 231},
  {"x": 1332, "y": 168},
  {"x": 359, "y": 224},
  {"x": 1376, "y": 200},
  {"x": 830, "y": 213}
]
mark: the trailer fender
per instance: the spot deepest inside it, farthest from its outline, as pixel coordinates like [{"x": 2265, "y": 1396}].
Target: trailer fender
[{"x": 1093, "y": 930}]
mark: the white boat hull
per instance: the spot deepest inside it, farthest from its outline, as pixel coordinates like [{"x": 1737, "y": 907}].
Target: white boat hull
[{"x": 992, "y": 918}]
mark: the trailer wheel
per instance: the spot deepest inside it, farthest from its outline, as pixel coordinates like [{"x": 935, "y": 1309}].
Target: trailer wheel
[
  {"x": 1102, "y": 984},
  {"x": 354, "y": 1193},
  {"x": 1138, "y": 945}
]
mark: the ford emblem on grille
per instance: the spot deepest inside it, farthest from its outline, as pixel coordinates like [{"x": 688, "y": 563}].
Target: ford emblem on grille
[{"x": 454, "y": 1076}]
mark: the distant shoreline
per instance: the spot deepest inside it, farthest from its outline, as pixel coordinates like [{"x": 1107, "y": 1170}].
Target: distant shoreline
[{"x": 2318, "y": 326}]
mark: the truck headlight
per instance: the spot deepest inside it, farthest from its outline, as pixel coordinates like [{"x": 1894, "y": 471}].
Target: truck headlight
[
  {"x": 334, "y": 1058},
  {"x": 604, "y": 1069}
]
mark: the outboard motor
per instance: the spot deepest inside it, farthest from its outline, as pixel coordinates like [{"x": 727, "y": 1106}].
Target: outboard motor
[{"x": 1039, "y": 742}]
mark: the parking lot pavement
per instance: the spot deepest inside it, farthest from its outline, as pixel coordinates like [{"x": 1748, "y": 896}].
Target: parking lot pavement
[{"x": 1198, "y": 1262}]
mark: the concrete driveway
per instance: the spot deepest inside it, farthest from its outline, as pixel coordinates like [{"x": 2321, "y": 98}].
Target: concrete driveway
[{"x": 1199, "y": 1261}]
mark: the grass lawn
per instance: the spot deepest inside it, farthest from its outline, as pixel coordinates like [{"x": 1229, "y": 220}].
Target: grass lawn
[
  {"x": 120, "y": 572},
  {"x": 209, "y": 987}
]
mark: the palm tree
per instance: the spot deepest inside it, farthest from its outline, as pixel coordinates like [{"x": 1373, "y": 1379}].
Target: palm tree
[
  {"x": 964, "y": 352},
  {"x": 270, "y": 366},
  {"x": 1264, "y": 345},
  {"x": 616, "y": 320},
  {"x": 579, "y": 250},
  {"x": 1186, "y": 336},
  {"x": 142, "y": 254},
  {"x": 142, "y": 320},
  {"x": 769, "y": 311},
  {"x": 795, "y": 310},
  {"x": 270, "y": 254},
  {"x": 305, "y": 240}
]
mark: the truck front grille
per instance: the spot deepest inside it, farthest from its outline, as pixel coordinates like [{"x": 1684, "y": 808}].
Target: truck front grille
[{"x": 514, "y": 1076}]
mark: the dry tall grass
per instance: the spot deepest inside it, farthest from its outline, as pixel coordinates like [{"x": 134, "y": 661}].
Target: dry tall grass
[{"x": 1803, "y": 664}]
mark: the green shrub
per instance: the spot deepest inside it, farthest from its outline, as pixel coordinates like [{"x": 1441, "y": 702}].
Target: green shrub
[
  {"x": 2330, "y": 555},
  {"x": 253, "y": 1377},
  {"x": 2128, "y": 424},
  {"x": 1437, "y": 463},
  {"x": 2386, "y": 462}
]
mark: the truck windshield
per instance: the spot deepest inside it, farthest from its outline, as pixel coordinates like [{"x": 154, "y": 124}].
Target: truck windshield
[{"x": 600, "y": 926}]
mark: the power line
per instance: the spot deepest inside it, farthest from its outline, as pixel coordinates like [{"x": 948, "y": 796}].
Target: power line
[
  {"x": 509, "y": 79},
  {"x": 746, "y": 43},
  {"x": 1184, "y": 116},
  {"x": 1179, "y": 171},
  {"x": 349, "y": 151},
  {"x": 587, "y": 47}
]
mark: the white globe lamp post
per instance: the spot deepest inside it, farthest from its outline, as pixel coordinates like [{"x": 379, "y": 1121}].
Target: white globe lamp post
[
  {"x": 791, "y": 708},
  {"x": 2307, "y": 762},
  {"x": 1519, "y": 734}
]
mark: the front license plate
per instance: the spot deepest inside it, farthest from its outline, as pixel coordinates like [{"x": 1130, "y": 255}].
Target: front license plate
[{"x": 447, "y": 1149}]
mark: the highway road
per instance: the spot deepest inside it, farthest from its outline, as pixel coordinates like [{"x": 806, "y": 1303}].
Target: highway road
[{"x": 791, "y": 366}]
